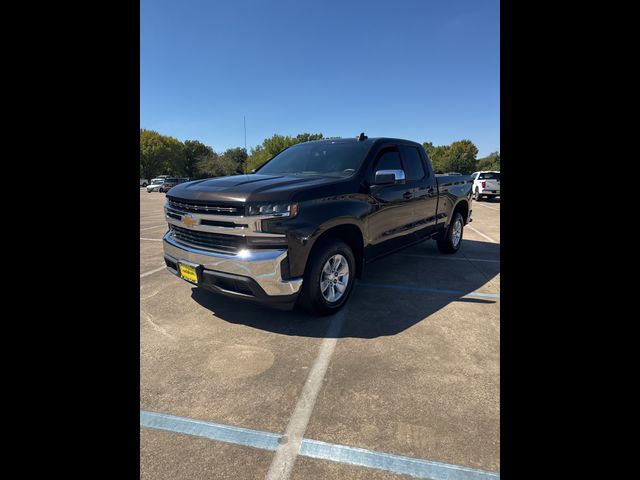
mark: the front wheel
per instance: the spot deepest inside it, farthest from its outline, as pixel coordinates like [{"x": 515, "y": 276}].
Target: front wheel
[
  {"x": 329, "y": 278},
  {"x": 452, "y": 239}
]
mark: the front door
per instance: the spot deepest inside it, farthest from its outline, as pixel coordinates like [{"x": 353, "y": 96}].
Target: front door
[{"x": 393, "y": 217}]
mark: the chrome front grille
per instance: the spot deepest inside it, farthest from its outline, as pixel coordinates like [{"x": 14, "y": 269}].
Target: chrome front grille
[
  {"x": 217, "y": 242},
  {"x": 217, "y": 227},
  {"x": 197, "y": 207}
]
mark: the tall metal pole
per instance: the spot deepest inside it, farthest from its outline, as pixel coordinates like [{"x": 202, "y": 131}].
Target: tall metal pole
[{"x": 245, "y": 132}]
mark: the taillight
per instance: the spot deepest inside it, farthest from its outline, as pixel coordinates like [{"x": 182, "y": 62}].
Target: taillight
[{"x": 484, "y": 184}]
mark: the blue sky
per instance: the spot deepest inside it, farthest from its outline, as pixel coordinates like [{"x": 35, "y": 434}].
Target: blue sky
[{"x": 423, "y": 70}]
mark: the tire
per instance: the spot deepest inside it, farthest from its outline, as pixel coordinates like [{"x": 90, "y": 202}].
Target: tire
[
  {"x": 312, "y": 298},
  {"x": 448, "y": 243},
  {"x": 476, "y": 197}
]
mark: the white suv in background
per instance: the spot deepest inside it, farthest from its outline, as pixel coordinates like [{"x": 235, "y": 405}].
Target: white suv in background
[
  {"x": 155, "y": 184},
  {"x": 485, "y": 184}
]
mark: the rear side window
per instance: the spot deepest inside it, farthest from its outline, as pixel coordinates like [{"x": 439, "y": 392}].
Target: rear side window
[
  {"x": 489, "y": 176},
  {"x": 413, "y": 163},
  {"x": 390, "y": 160}
]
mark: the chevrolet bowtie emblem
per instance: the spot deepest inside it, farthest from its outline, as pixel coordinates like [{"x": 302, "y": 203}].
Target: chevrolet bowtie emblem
[{"x": 189, "y": 221}]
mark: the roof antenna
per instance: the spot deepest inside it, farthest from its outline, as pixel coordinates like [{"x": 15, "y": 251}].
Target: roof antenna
[{"x": 361, "y": 137}]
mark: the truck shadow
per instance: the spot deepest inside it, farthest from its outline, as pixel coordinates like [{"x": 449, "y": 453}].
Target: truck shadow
[{"x": 397, "y": 292}]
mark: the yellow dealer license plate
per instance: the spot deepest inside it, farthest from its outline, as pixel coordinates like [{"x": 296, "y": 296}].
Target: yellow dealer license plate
[{"x": 188, "y": 273}]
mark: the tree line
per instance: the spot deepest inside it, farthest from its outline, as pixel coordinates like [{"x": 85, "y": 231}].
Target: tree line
[{"x": 162, "y": 154}]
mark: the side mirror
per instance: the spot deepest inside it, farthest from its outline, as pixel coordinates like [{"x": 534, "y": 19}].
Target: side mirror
[{"x": 389, "y": 177}]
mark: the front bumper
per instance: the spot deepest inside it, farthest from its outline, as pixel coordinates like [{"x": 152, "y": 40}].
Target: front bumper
[{"x": 253, "y": 275}]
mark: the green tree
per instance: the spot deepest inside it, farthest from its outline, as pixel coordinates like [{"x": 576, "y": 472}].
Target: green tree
[
  {"x": 237, "y": 157},
  {"x": 206, "y": 165},
  {"x": 214, "y": 165},
  {"x": 274, "y": 145},
  {"x": 490, "y": 162},
  {"x": 160, "y": 154},
  {"x": 176, "y": 160},
  {"x": 438, "y": 155},
  {"x": 151, "y": 153},
  {"x": 194, "y": 151},
  {"x": 257, "y": 156},
  {"x": 308, "y": 137},
  {"x": 460, "y": 156}
]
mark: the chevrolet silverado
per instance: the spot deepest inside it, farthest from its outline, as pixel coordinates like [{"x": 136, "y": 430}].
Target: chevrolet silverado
[{"x": 301, "y": 228}]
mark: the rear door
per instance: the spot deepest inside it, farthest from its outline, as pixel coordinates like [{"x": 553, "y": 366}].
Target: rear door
[{"x": 423, "y": 187}]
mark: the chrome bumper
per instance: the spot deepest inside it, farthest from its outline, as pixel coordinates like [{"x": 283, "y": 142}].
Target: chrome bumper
[{"x": 263, "y": 266}]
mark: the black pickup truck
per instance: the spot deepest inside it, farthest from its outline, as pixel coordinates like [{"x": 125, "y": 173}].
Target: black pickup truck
[{"x": 302, "y": 227}]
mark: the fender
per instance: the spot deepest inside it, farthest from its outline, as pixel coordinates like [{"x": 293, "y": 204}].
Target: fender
[
  {"x": 315, "y": 217},
  {"x": 455, "y": 205}
]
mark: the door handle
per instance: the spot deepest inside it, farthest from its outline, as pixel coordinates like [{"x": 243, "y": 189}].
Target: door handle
[{"x": 407, "y": 195}]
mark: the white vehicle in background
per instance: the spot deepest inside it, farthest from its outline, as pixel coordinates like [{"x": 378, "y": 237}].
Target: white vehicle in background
[
  {"x": 485, "y": 184},
  {"x": 144, "y": 182},
  {"x": 155, "y": 184}
]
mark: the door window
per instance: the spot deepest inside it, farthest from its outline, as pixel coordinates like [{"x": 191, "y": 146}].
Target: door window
[
  {"x": 389, "y": 160},
  {"x": 413, "y": 163}
]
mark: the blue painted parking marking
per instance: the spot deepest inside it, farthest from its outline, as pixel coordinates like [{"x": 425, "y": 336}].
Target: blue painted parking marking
[
  {"x": 430, "y": 290},
  {"x": 212, "y": 431},
  {"x": 392, "y": 463},
  {"x": 417, "y": 467}
]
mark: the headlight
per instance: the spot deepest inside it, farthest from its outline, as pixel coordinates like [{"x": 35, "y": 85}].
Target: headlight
[{"x": 276, "y": 210}]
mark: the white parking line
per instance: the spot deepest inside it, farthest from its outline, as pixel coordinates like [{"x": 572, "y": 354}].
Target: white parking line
[
  {"x": 151, "y": 239},
  {"x": 482, "y": 234},
  {"x": 289, "y": 446},
  {"x": 151, "y": 228},
  {"x": 486, "y": 206},
  {"x": 146, "y": 274}
]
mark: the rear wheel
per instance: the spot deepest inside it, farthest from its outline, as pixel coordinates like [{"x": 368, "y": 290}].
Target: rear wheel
[
  {"x": 329, "y": 278},
  {"x": 452, "y": 239}
]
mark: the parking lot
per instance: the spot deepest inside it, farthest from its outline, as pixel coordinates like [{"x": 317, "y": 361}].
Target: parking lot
[{"x": 404, "y": 380}]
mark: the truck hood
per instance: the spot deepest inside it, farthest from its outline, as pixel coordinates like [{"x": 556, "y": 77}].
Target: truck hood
[{"x": 250, "y": 188}]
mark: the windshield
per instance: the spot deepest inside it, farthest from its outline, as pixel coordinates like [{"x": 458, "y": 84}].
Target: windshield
[
  {"x": 157, "y": 181},
  {"x": 489, "y": 176},
  {"x": 326, "y": 159}
]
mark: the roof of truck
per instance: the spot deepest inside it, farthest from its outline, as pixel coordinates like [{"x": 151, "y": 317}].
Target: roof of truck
[{"x": 367, "y": 140}]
